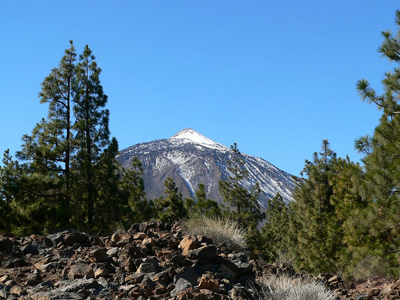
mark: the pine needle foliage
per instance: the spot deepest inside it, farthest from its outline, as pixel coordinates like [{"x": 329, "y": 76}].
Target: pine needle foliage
[
  {"x": 275, "y": 230},
  {"x": 242, "y": 202},
  {"x": 66, "y": 175},
  {"x": 171, "y": 207},
  {"x": 321, "y": 217},
  {"x": 201, "y": 204},
  {"x": 382, "y": 160}
]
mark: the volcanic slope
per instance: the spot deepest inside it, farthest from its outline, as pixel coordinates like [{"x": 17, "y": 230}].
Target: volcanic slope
[{"x": 191, "y": 158}]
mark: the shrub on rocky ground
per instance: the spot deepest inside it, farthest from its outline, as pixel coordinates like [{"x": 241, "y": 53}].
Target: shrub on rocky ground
[
  {"x": 288, "y": 288},
  {"x": 220, "y": 230}
]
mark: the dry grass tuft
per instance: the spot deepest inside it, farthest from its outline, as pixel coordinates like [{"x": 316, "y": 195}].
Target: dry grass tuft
[
  {"x": 220, "y": 230},
  {"x": 288, "y": 288}
]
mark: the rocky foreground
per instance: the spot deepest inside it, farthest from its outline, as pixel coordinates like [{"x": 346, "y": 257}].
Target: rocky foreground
[{"x": 150, "y": 261}]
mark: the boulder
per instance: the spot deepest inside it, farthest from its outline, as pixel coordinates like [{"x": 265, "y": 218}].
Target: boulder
[
  {"x": 32, "y": 249},
  {"x": 79, "y": 284},
  {"x": 80, "y": 270},
  {"x": 189, "y": 243},
  {"x": 75, "y": 237},
  {"x": 113, "y": 252},
  {"x": 98, "y": 255},
  {"x": 115, "y": 237},
  {"x": 55, "y": 239},
  {"x": 67, "y": 253},
  {"x": 55, "y": 295},
  {"x": 208, "y": 283},
  {"x": 17, "y": 290},
  {"x": 187, "y": 273},
  {"x": 5, "y": 243},
  {"x": 146, "y": 268},
  {"x": 181, "y": 285},
  {"x": 204, "y": 253},
  {"x": 239, "y": 264},
  {"x": 101, "y": 272},
  {"x": 162, "y": 278}
]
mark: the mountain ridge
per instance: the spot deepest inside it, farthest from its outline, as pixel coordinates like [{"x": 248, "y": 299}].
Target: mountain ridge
[{"x": 191, "y": 158}]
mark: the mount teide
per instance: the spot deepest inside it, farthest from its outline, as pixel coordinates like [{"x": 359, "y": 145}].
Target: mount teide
[{"x": 191, "y": 158}]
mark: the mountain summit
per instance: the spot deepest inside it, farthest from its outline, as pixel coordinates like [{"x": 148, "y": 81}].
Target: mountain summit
[
  {"x": 191, "y": 158},
  {"x": 189, "y": 135}
]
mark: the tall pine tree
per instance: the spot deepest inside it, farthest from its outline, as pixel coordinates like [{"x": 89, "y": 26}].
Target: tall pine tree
[
  {"x": 382, "y": 159},
  {"x": 171, "y": 207},
  {"x": 275, "y": 230},
  {"x": 47, "y": 152},
  {"x": 91, "y": 127},
  {"x": 242, "y": 203},
  {"x": 9, "y": 190},
  {"x": 201, "y": 204},
  {"x": 316, "y": 233},
  {"x": 67, "y": 173}
]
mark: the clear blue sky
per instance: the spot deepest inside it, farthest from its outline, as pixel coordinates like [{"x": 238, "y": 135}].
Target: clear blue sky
[{"x": 276, "y": 77}]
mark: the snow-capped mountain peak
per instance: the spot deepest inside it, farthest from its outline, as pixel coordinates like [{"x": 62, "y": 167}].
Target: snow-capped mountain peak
[
  {"x": 189, "y": 135},
  {"x": 191, "y": 158}
]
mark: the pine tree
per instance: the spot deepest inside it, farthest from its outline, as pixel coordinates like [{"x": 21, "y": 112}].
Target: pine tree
[
  {"x": 242, "y": 202},
  {"x": 133, "y": 185},
  {"x": 67, "y": 173},
  {"x": 324, "y": 220},
  {"x": 316, "y": 232},
  {"x": 201, "y": 204},
  {"x": 9, "y": 174},
  {"x": 348, "y": 183},
  {"x": 382, "y": 158},
  {"x": 91, "y": 127},
  {"x": 110, "y": 204},
  {"x": 171, "y": 207},
  {"x": 47, "y": 152},
  {"x": 275, "y": 230}
]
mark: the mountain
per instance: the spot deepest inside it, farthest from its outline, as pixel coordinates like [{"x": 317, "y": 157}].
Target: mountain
[{"x": 191, "y": 158}]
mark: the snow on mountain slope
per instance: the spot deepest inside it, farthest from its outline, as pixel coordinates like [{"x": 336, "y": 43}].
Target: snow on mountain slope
[
  {"x": 191, "y": 158},
  {"x": 188, "y": 135}
]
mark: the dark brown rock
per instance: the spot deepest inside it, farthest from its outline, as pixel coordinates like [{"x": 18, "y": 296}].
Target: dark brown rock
[
  {"x": 5, "y": 243},
  {"x": 204, "y": 253},
  {"x": 162, "y": 278},
  {"x": 139, "y": 236},
  {"x": 98, "y": 255},
  {"x": 107, "y": 270},
  {"x": 161, "y": 290},
  {"x": 80, "y": 270},
  {"x": 31, "y": 249},
  {"x": 75, "y": 237},
  {"x": 187, "y": 273}
]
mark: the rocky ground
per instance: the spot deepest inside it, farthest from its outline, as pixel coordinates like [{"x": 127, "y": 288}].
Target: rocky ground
[{"x": 150, "y": 261}]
